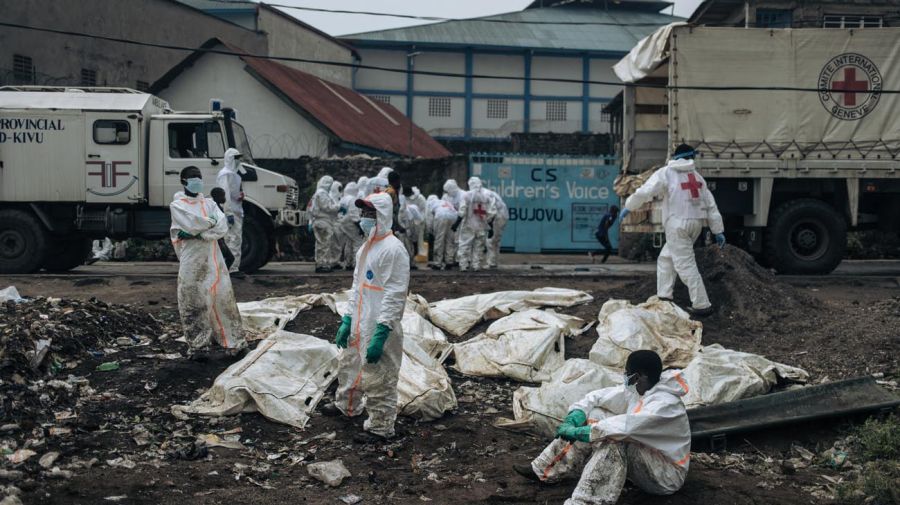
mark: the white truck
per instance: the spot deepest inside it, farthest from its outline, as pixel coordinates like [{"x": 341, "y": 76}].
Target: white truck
[
  {"x": 798, "y": 131},
  {"x": 83, "y": 164}
]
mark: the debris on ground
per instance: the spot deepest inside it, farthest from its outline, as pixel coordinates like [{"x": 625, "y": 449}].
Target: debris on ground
[{"x": 332, "y": 472}]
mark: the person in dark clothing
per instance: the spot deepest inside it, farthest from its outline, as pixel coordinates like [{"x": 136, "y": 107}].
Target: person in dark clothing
[{"x": 602, "y": 234}]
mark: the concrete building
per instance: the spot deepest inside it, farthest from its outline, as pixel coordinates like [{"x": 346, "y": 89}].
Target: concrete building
[
  {"x": 288, "y": 36},
  {"x": 577, "y": 40},
  {"x": 793, "y": 14},
  {"x": 289, "y": 113},
  {"x": 42, "y": 58}
]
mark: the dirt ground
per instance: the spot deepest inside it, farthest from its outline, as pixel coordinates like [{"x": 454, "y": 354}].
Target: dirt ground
[{"x": 833, "y": 327}]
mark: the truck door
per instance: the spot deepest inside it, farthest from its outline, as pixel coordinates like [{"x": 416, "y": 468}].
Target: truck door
[
  {"x": 112, "y": 158},
  {"x": 192, "y": 143}
]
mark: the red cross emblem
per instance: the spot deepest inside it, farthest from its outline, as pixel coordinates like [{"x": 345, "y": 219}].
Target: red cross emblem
[
  {"x": 692, "y": 185},
  {"x": 850, "y": 86},
  {"x": 479, "y": 211}
]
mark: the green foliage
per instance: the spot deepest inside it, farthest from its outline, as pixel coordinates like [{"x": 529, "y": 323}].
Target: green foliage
[{"x": 879, "y": 439}]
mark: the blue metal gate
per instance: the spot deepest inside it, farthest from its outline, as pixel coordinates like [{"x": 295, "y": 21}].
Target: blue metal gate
[{"x": 555, "y": 202}]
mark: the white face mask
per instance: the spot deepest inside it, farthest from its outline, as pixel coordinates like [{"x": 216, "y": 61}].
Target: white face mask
[{"x": 367, "y": 223}]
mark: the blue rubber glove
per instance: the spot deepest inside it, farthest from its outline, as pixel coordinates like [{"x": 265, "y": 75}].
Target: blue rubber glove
[
  {"x": 230, "y": 220},
  {"x": 720, "y": 239},
  {"x": 183, "y": 235},
  {"x": 575, "y": 434},
  {"x": 624, "y": 214},
  {"x": 343, "y": 333},
  {"x": 376, "y": 345}
]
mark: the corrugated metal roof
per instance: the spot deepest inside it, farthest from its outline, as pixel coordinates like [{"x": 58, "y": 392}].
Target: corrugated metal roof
[
  {"x": 476, "y": 32},
  {"x": 350, "y": 116},
  {"x": 73, "y": 100}
]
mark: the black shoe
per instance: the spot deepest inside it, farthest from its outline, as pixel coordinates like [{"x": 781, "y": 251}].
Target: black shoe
[
  {"x": 527, "y": 472},
  {"x": 700, "y": 312},
  {"x": 364, "y": 437},
  {"x": 330, "y": 410},
  {"x": 323, "y": 270}
]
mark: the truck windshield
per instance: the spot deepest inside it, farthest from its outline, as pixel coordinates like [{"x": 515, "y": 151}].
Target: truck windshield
[{"x": 241, "y": 143}]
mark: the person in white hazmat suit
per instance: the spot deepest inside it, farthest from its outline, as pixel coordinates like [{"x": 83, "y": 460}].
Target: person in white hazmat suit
[
  {"x": 362, "y": 185},
  {"x": 452, "y": 194},
  {"x": 348, "y": 226},
  {"x": 324, "y": 210},
  {"x": 445, "y": 215},
  {"x": 687, "y": 205},
  {"x": 371, "y": 335},
  {"x": 229, "y": 179},
  {"x": 412, "y": 220},
  {"x": 498, "y": 225},
  {"x": 206, "y": 301},
  {"x": 475, "y": 213},
  {"x": 337, "y": 192},
  {"x": 638, "y": 431}
]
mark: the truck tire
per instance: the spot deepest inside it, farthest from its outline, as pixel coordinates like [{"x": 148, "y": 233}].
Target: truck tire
[
  {"x": 255, "y": 245},
  {"x": 65, "y": 255},
  {"x": 806, "y": 236},
  {"x": 23, "y": 242}
]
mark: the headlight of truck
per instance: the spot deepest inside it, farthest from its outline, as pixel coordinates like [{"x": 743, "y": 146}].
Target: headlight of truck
[{"x": 292, "y": 200}]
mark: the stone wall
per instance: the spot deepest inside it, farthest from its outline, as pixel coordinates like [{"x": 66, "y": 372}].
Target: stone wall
[{"x": 574, "y": 144}]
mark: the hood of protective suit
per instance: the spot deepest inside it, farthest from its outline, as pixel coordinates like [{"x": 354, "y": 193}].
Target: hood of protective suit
[
  {"x": 362, "y": 185},
  {"x": 432, "y": 202},
  {"x": 384, "y": 209},
  {"x": 669, "y": 382},
  {"x": 474, "y": 184},
  {"x": 377, "y": 184},
  {"x": 383, "y": 173},
  {"x": 232, "y": 164},
  {"x": 682, "y": 165},
  {"x": 450, "y": 187},
  {"x": 336, "y": 190},
  {"x": 325, "y": 183},
  {"x": 350, "y": 189}
]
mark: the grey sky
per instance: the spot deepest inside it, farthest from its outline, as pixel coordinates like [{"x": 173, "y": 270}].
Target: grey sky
[{"x": 341, "y": 24}]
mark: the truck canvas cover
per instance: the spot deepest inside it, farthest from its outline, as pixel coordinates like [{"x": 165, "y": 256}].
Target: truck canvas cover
[{"x": 834, "y": 107}]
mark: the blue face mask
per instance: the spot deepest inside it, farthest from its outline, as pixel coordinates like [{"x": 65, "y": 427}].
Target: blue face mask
[
  {"x": 194, "y": 185},
  {"x": 366, "y": 223}
]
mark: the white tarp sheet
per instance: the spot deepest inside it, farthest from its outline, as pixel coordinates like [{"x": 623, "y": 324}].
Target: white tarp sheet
[
  {"x": 526, "y": 346},
  {"x": 459, "y": 315},
  {"x": 718, "y": 375},
  {"x": 646, "y": 55},
  {"x": 424, "y": 388},
  {"x": 656, "y": 325},
  {"x": 260, "y": 318},
  {"x": 539, "y": 410},
  {"x": 283, "y": 379}
]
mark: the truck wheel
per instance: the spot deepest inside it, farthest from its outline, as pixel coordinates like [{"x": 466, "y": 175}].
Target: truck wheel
[
  {"x": 67, "y": 254},
  {"x": 254, "y": 245},
  {"x": 806, "y": 236},
  {"x": 23, "y": 242}
]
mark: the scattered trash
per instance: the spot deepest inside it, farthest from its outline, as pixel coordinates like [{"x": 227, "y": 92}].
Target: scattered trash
[
  {"x": 332, "y": 472},
  {"x": 56, "y": 473},
  {"x": 109, "y": 366},
  {"x": 351, "y": 499},
  {"x": 10, "y": 294},
  {"x": 190, "y": 452},
  {"x": 11, "y": 500},
  {"x": 121, "y": 462},
  {"x": 48, "y": 459},
  {"x": 116, "y": 498},
  {"x": 20, "y": 456},
  {"x": 229, "y": 442}
]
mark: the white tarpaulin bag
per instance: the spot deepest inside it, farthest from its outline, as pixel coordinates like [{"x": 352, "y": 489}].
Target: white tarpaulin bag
[
  {"x": 655, "y": 325},
  {"x": 718, "y": 375},
  {"x": 459, "y": 315},
  {"x": 526, "y": 346},
  {"x": 260, "y": 318},
  {"x": 540, "y": 410},
  {"x": 283, "y": 379},
  {"x": 424, "y": 388}
]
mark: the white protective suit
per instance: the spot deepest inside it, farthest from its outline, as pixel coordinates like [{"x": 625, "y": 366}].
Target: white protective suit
[
  {"x": 444, "y": 240},
  {"x": 499, "y": 225},
  {"x": 205, "y": 299},
  {"x": 229, "y": 179},
  {"x": 687, "y": 205},
  {"x": 476, "y": 211},
  {"x": 336, "y": 193},
  {"x": 362, "y": 184},
  {"x": 324, "y": 210},
  {"x": 102, "y": 250},
  {"x": 453, "y": 195},
  {"x": 378, "y": 295},
  {"x": 644, "y": 438},
  {"x": 348, "y": 225},
  {"x": 411, "y": 219}
]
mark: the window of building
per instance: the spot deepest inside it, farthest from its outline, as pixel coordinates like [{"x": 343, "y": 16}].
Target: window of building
[
  {"x": 196, "y": 140},
  {"x": 381, "y": 98},
  {"x": 88, "y": 77},
  {"x": 853, "y": 22},
  {"x": 23, "y": 68},
  {"x": 497, "y": 109},
  {"x": 111, "y": 131},
  {"x": 439, "y": 106},
  {"x": 774, "y": 18},
  {"x": 142, "y": 86},
  {"x": 556, "y": 111}
]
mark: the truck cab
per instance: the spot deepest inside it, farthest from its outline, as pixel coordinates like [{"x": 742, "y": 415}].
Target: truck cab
[{"x": 81, "y": 164}]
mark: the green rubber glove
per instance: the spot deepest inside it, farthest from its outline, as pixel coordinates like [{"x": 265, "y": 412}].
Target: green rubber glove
[
  {"x": 575, "y": 419},
  {"x": 183, "y": 235},
  {"x": 343, "y": 333},
  {"x": 376, "y": 345},
  {"x": 575, "y": 434}
]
